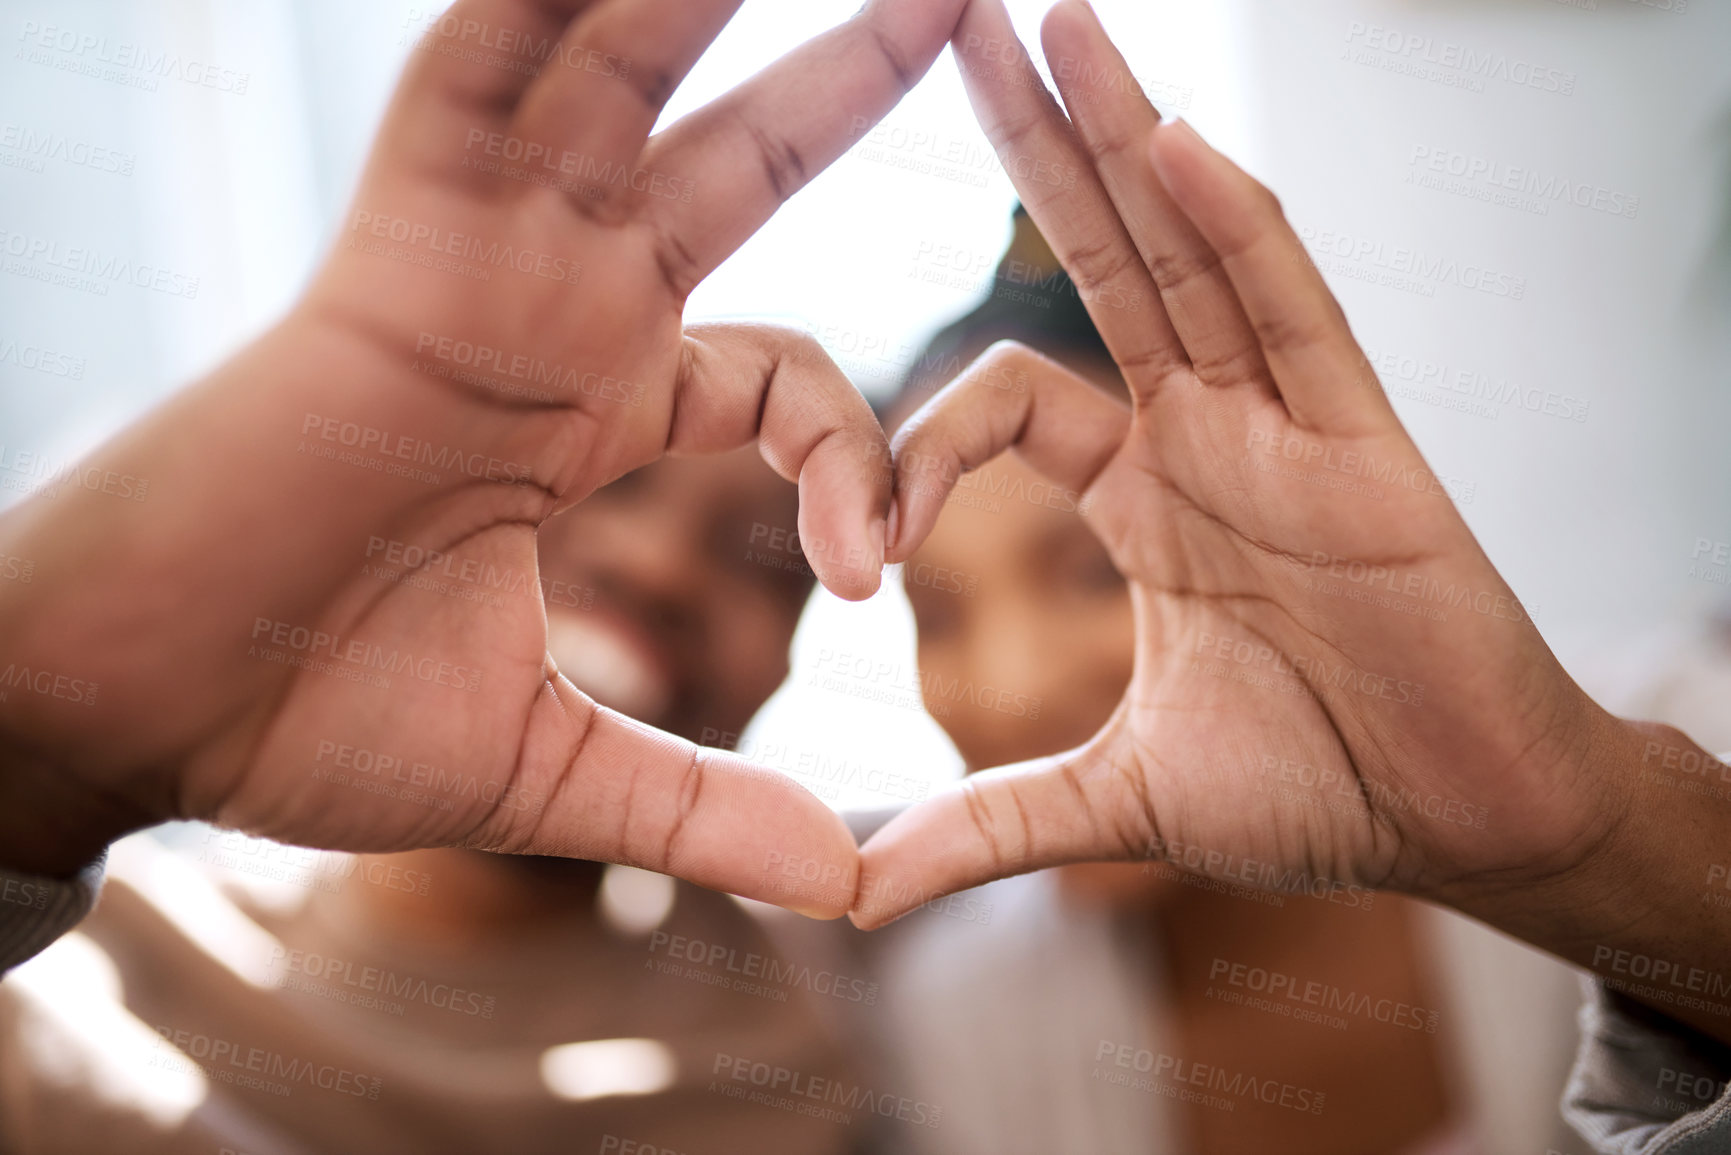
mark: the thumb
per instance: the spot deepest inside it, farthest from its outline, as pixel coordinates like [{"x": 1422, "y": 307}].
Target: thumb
[
  {"x": 992, "y": 825},
  {"x": 617, "y": 790}
]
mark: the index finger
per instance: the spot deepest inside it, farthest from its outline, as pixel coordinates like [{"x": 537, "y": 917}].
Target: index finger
[
  {"x": 1011, "y": 398},
  {"x": 746, "y": 153}
]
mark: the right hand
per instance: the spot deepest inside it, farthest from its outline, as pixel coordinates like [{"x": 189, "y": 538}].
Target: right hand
[{"x": 1281, "y": 727}]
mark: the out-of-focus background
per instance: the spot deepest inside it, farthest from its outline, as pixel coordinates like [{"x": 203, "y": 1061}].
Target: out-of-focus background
[{"x": 1565, "y": 360}]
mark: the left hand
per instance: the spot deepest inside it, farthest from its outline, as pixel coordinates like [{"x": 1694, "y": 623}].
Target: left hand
[{"x": 498, "y": 333}]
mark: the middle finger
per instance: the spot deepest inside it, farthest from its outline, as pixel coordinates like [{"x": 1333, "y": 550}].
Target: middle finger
[
  {"x": 1052, "y": 171},
  {"x": 1115, "y": 120}
]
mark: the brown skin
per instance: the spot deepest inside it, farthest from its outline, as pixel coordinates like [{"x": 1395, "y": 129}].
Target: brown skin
[
  {"x": 1255, "y": 423},
  {"x": 1050, "y": 619},
  {"x": 664, "y": 555},
  {"x": 256, "y": 520}
]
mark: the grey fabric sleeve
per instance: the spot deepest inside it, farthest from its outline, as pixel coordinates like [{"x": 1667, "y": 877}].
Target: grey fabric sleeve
[
  {"x": 35, "y": 911},
  {"x": 1645, "y": 1084}
]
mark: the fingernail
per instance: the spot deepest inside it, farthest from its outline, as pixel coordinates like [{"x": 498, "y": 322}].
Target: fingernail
[
  {"x": 891, "y": 524},
  {"x": 816, "y": 914}
]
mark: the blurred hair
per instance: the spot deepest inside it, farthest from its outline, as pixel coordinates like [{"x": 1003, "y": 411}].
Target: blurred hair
[{"x": 1032, "y": 300}]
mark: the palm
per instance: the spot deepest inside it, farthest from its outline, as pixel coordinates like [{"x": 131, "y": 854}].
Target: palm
[
  {"x": 1314, "y": 620},
  {"x": 427, "y": 762},
  {"x": 1248, "y": 716}
]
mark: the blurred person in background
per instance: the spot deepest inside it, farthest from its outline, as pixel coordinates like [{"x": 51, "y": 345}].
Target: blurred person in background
[
  {"x": 428, "y": 1001},
  {"x": 1017, "y": 1021}
]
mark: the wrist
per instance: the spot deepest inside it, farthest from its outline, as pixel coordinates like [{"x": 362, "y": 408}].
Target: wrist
[
  {"x": 52, "y": 823},
  {"x": 1628, "y": 904},
  {"x": 1556, "y": 888}
]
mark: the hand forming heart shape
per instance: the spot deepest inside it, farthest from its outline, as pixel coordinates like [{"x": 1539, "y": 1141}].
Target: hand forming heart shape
[
  {"x": 497, "y": 334},
  {"x": 1278, "y": 730}
]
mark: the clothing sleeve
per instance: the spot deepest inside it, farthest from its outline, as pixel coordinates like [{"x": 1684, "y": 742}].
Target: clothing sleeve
[
  {"x": 1645, "y": 1084},
  {"x": 35, "y": 911}
]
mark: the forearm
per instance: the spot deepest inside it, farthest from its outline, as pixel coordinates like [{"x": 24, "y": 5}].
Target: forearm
[{"x": 1638, "y": 908}]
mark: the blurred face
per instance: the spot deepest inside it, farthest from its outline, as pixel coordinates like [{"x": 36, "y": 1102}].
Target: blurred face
[
  {"x": 663, "y": 600},
  {"x": 1048, "y": 625}
]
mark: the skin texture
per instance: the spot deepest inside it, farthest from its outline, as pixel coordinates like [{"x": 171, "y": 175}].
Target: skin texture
[
  {"x": 664, "y": 557},
  {"x": 249, "y": 519},
  {"x": 1048, "y": 619},
  {"x": 1258, "y": 441}
]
